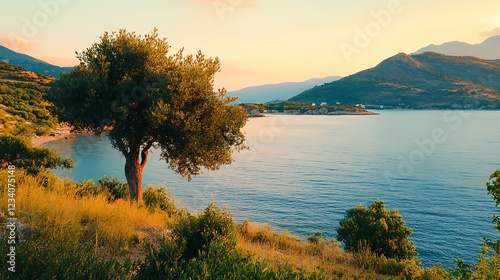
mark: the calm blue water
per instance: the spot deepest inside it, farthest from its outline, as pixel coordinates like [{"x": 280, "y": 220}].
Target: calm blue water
[{"x": 303, "y": 172}]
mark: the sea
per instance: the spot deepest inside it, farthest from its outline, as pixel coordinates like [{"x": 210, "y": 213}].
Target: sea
[{"x": 301, "y": 173}]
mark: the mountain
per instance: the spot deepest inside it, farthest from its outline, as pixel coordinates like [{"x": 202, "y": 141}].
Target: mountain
[
  {"x": 428, "y": 80},
  {"x": 30, "y": 63},
  {"x": 489, "y": 49},
  {"x": 281, "y": 91}
]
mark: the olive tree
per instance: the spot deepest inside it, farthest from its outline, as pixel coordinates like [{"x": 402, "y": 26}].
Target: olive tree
[
  {"x": 383, "y": 231},
  {"x": 131, "y": 87}
]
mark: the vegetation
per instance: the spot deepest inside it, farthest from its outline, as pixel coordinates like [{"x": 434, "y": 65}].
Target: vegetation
[
  {"x": 24, "y": 112},
  {"x": 127, "y": 84},
  {"x": 77, "y": 230},
  {"x": 62, "y": 234},
  {"x": 65, "y": 231},
  {"x": 488, "y": 264},
  {"x": 21, "y": 153},
  {"x": 493, "y": 187},
  {"x": 300, "y": 108},
  {"x": 375, "y": 229},
  {"x": 21, "y": 100}
]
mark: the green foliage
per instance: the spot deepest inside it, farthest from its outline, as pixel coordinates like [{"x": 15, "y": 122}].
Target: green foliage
[
  {"x": 192, "y": 238},
  {"x": 159, "y": 199},
  {"x": 384, "y": 232},
  {"x": 110, "y": 187},
  {"x": 21, "y": 92},
  {"x": 493, "y": 187},
  {"x": 195, "y": 233},
  {"x": 303, "y": 108},
  {"x": 203, "y": 247},
  {"x": 130, "y": 85},
  {"x": 435, "y": 273},
  {"x": 114, "y": 188},
  {"x": 487, "y": 266},
  {"x": 216, "y": 262},
  {"x": 20, "y": 152},
  {"x": 315, "y": 237}
]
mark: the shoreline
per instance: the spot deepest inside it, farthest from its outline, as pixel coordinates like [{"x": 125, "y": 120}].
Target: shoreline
[
  {"x": 61, "y": 134},
  {"x": 333, "y": 113}
]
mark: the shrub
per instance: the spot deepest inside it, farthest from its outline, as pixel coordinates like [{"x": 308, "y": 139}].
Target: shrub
[
  {"x": 203, "y": 247},
  {"x": 114, "y": 188},
  {"x": 315, "y": 237},
  {"x": 195, "y": 233},
  {"x": 109, "y": 187},
  {"x": 435, "y": 273},
  {"x": 383, "y": 231},
  {"x": 159, "y": 199}
]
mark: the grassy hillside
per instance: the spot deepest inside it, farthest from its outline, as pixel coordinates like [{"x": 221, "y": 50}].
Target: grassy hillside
[
  {"x": 21, "y": 100},
  {"x": 427, "y": 80}
]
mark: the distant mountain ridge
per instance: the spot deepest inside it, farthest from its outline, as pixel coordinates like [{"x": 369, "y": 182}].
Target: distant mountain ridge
[
  {"x": 428, "y": 80},
  {"x": 489, "y": 49},
  {"x": 30, "y": 63},
  {"x": 281, "y": 91}
]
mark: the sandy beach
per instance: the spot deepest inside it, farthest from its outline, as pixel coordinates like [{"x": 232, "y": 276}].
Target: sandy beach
[{"x": 62, "y": 133}]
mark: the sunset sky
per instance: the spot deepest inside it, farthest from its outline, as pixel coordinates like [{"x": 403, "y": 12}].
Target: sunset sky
[{"x": 258, "y": 42}]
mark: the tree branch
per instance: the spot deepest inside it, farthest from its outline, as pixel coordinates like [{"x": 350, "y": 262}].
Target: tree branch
[{"x": 144, "y": 154}]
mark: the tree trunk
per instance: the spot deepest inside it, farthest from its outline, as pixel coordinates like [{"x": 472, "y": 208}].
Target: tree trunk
[{"x": 133, "y": 171}]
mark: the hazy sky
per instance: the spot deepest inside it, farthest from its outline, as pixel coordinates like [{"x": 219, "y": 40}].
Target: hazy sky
[{"x": 257, "y": 41}]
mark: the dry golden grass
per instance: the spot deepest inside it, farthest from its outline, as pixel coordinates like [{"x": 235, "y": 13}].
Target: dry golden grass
[
  {"x": 282, "y": 248},
  {"x": 119, "y": 224}
]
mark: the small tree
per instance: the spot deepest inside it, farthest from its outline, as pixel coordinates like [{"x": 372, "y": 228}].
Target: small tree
[
  {"x": 19, "y": 151},
  {"x": 128, "y": 85},
  {"x": 383, "y": 231}
]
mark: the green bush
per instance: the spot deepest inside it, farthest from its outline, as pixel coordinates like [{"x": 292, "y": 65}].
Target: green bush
[
  {"x": 114, "y": 188},
  {"x": 109, "y": 187},
  {"x": 384, "y": 232},
  {"x": 195, "y": 233},
  {"x": 315, "y": 237},
  {"x": 159, "y": 199},
  {"x": 203, "y": 247}
]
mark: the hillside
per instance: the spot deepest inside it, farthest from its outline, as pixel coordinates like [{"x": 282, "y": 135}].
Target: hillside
[
  {"x": 489, "y": 49},
  {"x": 30, "y": 63},
  {"x": 281, "y": 91},
  {"x": 428, "y": 80},
  {"x": 21, "y": 100}
]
